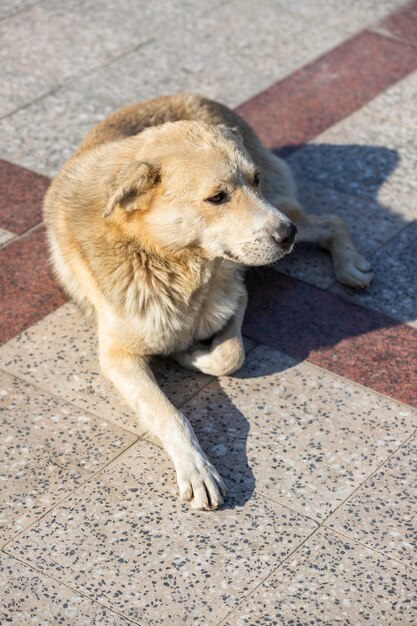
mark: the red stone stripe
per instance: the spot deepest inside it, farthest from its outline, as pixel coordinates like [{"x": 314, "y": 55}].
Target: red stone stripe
[
  {"x": 308, "y": 323},
  {"x": 21, "y": 197},
  {"x": 295, "y": 110},
  {"x": 28, "y": 291},
  {"x": 402, "y": 25}
]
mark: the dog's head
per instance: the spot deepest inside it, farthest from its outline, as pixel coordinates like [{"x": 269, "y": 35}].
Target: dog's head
[{"x": 194, "y": 185}]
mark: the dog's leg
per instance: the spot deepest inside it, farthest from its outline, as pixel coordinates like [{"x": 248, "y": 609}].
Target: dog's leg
[
  {"x": 225, "y": 354},
  {"x": 198, "y": 480},
  {"x": 331, "y": 233}
]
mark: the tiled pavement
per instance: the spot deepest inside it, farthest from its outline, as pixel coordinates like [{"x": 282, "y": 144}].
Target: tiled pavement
[{"x": 316, "y": 434}]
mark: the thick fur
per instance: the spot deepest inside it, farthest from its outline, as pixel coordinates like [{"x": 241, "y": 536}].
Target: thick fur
[{"x": 139, "y": 237}]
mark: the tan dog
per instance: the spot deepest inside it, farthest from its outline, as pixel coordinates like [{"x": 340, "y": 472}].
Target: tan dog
[{"x": 150, "y": 224}]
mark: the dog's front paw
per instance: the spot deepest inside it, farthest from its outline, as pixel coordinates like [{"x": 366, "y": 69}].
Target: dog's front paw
[
  {"x": 200, "y": 483},
  {"x": 354, "y": 271}
]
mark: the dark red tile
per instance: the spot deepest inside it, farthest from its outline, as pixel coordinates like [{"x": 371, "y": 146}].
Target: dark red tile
[
  {"x": 298, "y": 108},
  {"x": 403, "y": 24},
  {"x": 308, "y": 323},
  {"x": 22, "y": 192},
  {"x": 28, "y": 291}
]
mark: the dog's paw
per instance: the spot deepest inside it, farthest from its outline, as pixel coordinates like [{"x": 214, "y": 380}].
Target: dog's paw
[
  {"x": 354, "y": 271},
  {"x": 200, "y": 483}
]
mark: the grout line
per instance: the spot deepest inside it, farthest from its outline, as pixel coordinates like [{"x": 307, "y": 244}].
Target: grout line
[
  {"x": 363, "y": 545},
  {"x": 320, "y": 528},
  {"x": 75, "y": 78},
  {"x": 371, "y": 475},
  {"x": 272, "y": 573},
  {"x": 340, "y": 376},
  {"x": 74, "y": 590},
  {"x": 19, "y": 236},
  {"x": 37, "y": 386},
  {"x": 354, "y": 382},
  {"x": 68, "y": 495}
]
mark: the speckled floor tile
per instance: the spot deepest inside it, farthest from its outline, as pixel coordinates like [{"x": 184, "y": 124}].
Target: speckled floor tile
[
  {"x": 182, "y": 59},
  {"x": 52, "y": 42},
  {"x": 365, "y": 12},
  {"x": 295, "y": 433},
  {"x": 126, "y": 541},
  {"x": 295, "y": 110},
  {"x": 8, "y": 7},
  {"x": 330, "y": 580},
  {"x": 402, "y": 24},
  {"x": 27, "y": 597},
  {"x": 22, "y": 193},
  {"x": 365, "y": 155},
  {"x": 54, "y": 127},
  {"x": 393, "y": 289},
  {"x": 28, "y": 291},
  {"x": 62, "y": 349},
  {"x": 361, "y": 344},
  {"x": 48, "y": 449},
  {"x": 240, "y": 32},
  {"x": 370, "y": 225},
  {"x": 382, "y": 513}
]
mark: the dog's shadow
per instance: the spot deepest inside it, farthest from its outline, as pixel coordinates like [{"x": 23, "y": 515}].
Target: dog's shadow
[{"x": 225, "y": 429}]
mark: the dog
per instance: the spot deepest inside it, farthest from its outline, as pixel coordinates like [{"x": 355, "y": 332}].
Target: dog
[{"x": 150, "y": 226}]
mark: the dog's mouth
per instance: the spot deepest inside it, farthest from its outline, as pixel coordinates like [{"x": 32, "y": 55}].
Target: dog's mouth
[{"x": 258, "y": 259}]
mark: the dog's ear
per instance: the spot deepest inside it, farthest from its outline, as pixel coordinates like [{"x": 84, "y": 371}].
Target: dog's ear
[
  {"x": 232, "y": 130},
  {"x": 130, "y": 186}
]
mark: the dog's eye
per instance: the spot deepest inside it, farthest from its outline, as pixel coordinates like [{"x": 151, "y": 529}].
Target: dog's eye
[
  {"x": 218, "y": 198},
  {"x": 256, "y": 179}
]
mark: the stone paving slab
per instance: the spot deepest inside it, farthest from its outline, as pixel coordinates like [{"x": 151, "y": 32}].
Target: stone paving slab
[
  {"x": 380, "y": 162},
  {"x": 63, "y": 347},
  {"x": 22, "y": 193},
  {"x": 393, "y": 289},
  {"x": 31, "y": 598},
  {"x": 305, "y": 322},
  {"x": 295, "y": 433},
  {"x": 382, "y": 513},
  {"x": 126, "y": 541},
  {"x": 48, "y": 448},
  {"x": 27, "y": 289},
  {"x": 332, "y": 580},
  {"x": 240, "y": 32},
  {"x": 54, "y": 126},
  {"x": 52, "y": 42},
  {"x": 370, "y": 225}
]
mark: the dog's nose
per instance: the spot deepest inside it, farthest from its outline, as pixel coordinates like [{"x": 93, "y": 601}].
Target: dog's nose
[{"x": 285, "y": 234}]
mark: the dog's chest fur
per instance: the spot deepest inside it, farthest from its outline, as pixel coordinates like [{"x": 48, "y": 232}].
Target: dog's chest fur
[{"x": 167, "y": 304}]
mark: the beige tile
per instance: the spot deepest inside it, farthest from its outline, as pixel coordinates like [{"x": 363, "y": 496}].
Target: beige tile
[
  {"x": 371, "y": 153},
  {"x": 330, "y": 580},
  {"x": 48, "y": 449},
  {"x": 382, "y": 513},
  {"x": 27, "y": 597},
  {"x": 219, "y": 52},
  {"x": 361, "y": 14},
  {"x": 59, "y": 354},
  {"x": 5, "y": 236},
  {"x": 125, "y": 540},
  {"x": 8, "y": 7},
  {"x": 370, "y": 225},
  {"x": 393, "y": 289},
  {"x": 295, "y": 433},
  {"x": 52, "y": 42},
  {"x": 54, "y": 126}
]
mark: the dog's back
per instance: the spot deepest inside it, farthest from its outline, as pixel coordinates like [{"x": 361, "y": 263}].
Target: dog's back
[{"x": 134, "y": 118}]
